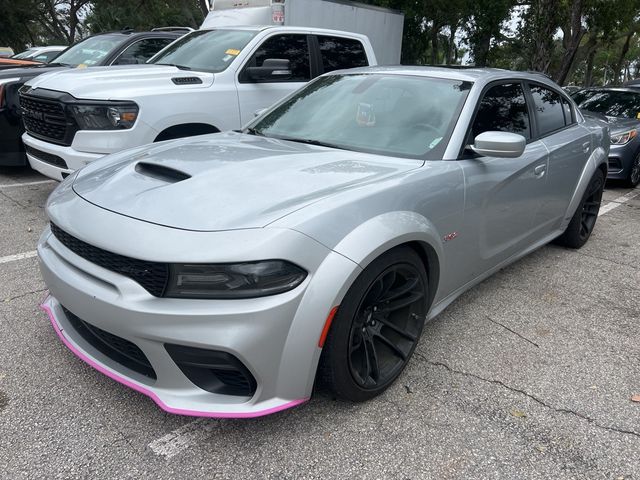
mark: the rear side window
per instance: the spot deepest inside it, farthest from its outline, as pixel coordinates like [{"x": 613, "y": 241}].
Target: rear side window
[
  {"x": 503, "y": 108},
  {"x": 288, "y": 47},
  {"x": 338, "y": 53},
  {"x": 141, "y": 51},
  {"x": 549, "y": 111}
]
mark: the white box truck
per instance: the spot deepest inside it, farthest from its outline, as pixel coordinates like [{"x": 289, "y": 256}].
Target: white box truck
[
  {"x": 382, "y": 26},
  {"x": 210, "y": 80}
]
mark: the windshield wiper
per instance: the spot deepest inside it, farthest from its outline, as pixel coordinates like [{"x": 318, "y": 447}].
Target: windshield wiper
[
  {"x": 181, "y": 67},
  {"x": 253, "y": 131},
  {"x": 310, "y": 141}
]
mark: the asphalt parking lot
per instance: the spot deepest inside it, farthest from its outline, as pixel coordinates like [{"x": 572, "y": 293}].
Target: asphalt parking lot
[{"x": 528, "y": 375}]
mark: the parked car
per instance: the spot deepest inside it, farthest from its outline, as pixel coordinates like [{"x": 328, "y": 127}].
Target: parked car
[
  {"x": 621, "y": 106},
  {"x": 208, "y": 81},
  {"x": 115, "y": 48},
  {"x": 221, "y": 275},
  {"x": 6, "y": 52},
  {"x": 40, "y": 54}
]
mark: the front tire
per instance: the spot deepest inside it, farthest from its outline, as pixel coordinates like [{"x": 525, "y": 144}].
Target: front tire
[
  {"x": 634, "y": 174},
  {"x": 377, "y": 327},
  {"x": 585, "y": 216}
]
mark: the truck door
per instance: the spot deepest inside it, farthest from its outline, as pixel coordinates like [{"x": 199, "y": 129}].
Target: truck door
[{"x": 258, "y": 94}]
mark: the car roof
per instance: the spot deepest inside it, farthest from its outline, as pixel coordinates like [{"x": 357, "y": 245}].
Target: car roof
[
  {"x": 612, "y": 89},
  {"x": 469, "y": 74},
  {"x": 262, "y": 28}
]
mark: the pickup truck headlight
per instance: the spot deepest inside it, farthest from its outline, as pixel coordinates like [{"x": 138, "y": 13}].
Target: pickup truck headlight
[
  {"x": 105, "y": 117},
  {"x": 624, "y": 137},
  {"x": 237, "y": 280}
]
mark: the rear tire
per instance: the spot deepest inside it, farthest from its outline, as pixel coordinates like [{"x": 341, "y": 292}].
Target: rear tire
[
  {"x": 584, "y": 219},
  {"x": 377, "y": 327}
]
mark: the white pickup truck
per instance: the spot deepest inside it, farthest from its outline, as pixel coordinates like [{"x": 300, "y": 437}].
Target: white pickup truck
[{"x": 208, "y": 81}]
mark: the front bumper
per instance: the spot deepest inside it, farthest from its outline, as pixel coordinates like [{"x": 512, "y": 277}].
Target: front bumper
[
  {"x": 621, "y": 158},
  {"x": 275, "y": 337},
  {"x": 55, "y": 161}
]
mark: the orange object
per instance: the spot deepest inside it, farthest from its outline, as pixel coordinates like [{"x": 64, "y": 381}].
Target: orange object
[
  {"x": 17, "y": 62},
  {"x": 327, "y": 326}
]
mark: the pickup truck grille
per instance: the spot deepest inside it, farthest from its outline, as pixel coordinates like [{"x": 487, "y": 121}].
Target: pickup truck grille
[{"x": 46, "y": 119}]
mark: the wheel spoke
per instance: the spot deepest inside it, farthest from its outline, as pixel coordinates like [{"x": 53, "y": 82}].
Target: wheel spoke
[
  {"x": 373, "y": 367},
  {"x": 397, "y": 350},
  {"x": 387, "y": 282},
  {"x": 395, "y": 328},
  {"x": 404, "y": 289},
  {"x": 403, "y": 302}
]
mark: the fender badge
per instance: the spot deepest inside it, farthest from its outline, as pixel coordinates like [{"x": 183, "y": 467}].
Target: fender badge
[{"x": 450, "y": 236}]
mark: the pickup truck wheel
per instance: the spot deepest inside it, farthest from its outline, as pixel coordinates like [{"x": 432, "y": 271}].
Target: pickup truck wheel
[
  {"x": 377, "y": 327},
  {"x": 584, "y": 219}
]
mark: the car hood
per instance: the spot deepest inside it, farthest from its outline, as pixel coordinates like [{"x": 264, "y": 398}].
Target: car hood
[
  {"x": 120, "y": 82},
  {"x": 619, "y": 125},
  {"x": 28, "y": 72},
  {"x": 227, "y": 181}
]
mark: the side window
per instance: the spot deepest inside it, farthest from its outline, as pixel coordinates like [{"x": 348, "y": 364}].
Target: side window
[
  {"x": 338, "y": 53},
  {"x": 549, "y": 109},
  {"x": 503, "y": 108},
  {"x": 140, "y": 52},
  {"x": 288, "y": 47}
]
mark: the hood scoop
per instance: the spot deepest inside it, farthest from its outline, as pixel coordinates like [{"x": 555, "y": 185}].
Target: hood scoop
[
  {"x": 160, "y": 172},
  {"x": 186, "y": 80}
]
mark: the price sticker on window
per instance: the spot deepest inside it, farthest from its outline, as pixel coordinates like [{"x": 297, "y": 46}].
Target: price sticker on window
[{"x": 232, "y": 51}]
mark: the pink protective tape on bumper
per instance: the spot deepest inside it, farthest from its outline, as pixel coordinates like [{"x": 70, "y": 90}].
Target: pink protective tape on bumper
[{"x": 151, "y": 394}]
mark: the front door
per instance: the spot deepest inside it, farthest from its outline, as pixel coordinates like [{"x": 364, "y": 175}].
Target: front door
[{"x": 256, "y": 95}]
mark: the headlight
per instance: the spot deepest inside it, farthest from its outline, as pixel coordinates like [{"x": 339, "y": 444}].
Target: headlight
[
  {"x": 239, "y": 280},
  {"x": 105, "y": 117},
  {"x": 624, "y": 137}
]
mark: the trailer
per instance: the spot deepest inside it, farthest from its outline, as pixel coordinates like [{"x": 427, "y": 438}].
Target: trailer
[{"x": 383, "y": 26}]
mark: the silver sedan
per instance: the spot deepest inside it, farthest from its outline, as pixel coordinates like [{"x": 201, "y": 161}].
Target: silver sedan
[{"x": 225, "y": 275}]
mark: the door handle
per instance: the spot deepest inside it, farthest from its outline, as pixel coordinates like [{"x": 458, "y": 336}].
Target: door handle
[
  {"x": 539, "y": 170},
  {"x": 586, "y": 146}
]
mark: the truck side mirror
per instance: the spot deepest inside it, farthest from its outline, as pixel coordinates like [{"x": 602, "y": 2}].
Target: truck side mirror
[{"x": 273, "y": 69}]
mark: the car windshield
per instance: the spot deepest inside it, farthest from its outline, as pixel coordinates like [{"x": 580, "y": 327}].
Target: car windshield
[
  {"x": 612, "y": 103},
  {"x": 205, "y": 50},
  {"x": 90, "y": 51},
  {"x": 404, "y": 116}
]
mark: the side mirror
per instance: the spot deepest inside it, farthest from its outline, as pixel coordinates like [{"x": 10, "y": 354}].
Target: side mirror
[
  {"x": 272, "y": 69},
  {"x": 499, "y": 144}
]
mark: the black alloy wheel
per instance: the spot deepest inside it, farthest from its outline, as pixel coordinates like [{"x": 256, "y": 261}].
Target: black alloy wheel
[
  {"x": 377, "y": 327},
  {"x": 386, "y": 327},
  {"x": 634, "y": 174},
  {"x": 584, "y": 219}
]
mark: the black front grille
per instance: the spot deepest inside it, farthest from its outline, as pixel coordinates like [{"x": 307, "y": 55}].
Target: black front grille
[
  {"x": 152, "y": 276},
  {"x": 46, "y": 157},
  {"x": 45, "y": 119},
  {"x": 116, "y": 348},
  {"x": 615, "y": 163}
]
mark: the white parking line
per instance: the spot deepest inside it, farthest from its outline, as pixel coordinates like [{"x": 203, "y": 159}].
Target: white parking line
[
  {"x": 182, "y": 438},
  {"x": 27, "y": 184},
  {"x": 613, "y": 204},
  {"x": 18, "y": 256}
]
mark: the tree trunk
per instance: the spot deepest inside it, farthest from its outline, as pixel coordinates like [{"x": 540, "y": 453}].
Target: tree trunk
[
  {"x": 623, "y": 53},
  {"x": 572, "y": 36},
  {"x": 204, "y": 7},
  {"x": 435, "y": 31},
  {"x": 451, "y": 47},
  {"x": 592, "y": 48},
  {"x": 543, "y": 18},
  {"x": 481, "y": 49}
]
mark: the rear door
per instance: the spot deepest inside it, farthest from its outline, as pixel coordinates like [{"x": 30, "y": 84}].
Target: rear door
[
  {"x": 254, "y": 94},
  {"x": 569, "y": 147},
  {"x": 503, "y": 195}
]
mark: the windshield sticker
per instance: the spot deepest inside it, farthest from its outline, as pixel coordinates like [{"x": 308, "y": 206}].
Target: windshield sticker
[
  {"x": 365, "y": 117},
  {"x": 435, "y": 142},
  {"x": 232, "y": 51},
  {"x": 638, "y": 115},
  {"x": 82, "y": 65}
]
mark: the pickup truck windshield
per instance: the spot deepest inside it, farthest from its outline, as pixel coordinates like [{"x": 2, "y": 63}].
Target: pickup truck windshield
[
  {"x": 403, "y": 116},
  {"x": 205, "y": 50},
  {"x": 90, "y": 51}
]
